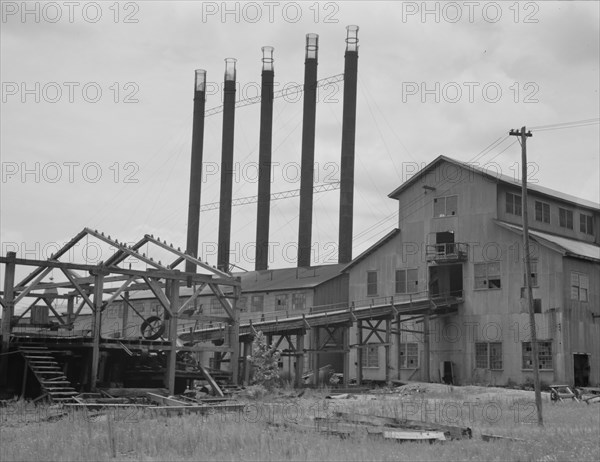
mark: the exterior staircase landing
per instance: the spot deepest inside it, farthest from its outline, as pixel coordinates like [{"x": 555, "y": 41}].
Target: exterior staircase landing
[{"x": 49, "y": 374}]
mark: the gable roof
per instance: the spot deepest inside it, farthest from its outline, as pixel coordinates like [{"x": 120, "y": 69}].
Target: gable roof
[
  {"x": 498, "y": 177},
  {"x": 564, "y": 245},
  {"x": 270, "y": 280},
  {"x": 388, "y": 237}
]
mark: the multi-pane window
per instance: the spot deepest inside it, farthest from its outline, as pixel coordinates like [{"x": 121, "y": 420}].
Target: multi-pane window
[
  {"x": 586, "y": 223},
  {"x": 298, "y": 301},
  {"x": 281, "y": 302},
  {"x": 542, "y": 212},
  {"x": 565, "y": 218},
  {"x": 370, "y": 356},
  {"x": 407, "y": 281},
  {"x": 256, "y": 303},
  {"x": 371, "y": 282},
  {"x": 580, "y": 285},
  {"x": 215, "y": 306},
  {"x": 488, "y": 355},
  {"x": 513, "y": 204},
  {"x": 409, "y": 355},
  {"x": 534, "y": 274},
  {"x": 487, "y": 275},
  {"x": 544, "y": 355},
  {"x": 445, "y": 206}
]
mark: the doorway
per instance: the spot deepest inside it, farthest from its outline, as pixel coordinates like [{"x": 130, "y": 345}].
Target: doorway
[{"x": 581, "y": 369}]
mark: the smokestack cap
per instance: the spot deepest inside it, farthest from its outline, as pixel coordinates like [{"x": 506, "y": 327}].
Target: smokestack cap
[
  {"x": 312, "y": 46},
  {"x": 267, "y": 58},
  {"x": 230, "y": 68},
  {"x": 352, "y": 38},
  {"x": 200, "y": 83}
]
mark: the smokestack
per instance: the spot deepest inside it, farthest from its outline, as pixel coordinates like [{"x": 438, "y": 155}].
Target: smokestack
[
  {"x": 308, "y": 150},
  {"x": 226, "y": 165},
  {"x": 196, "y": 167},
  {"x": 264, "y": 161},
  {"x": 348, "y": 142}
]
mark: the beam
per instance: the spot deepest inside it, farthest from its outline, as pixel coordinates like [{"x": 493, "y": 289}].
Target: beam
[
  {"x": 32, "y": 286},
  {"x": 159, "y": 294},
  {"x": 97, "y": 328},
  {"x": 7, "y": 314},
  {"x": 172, "y": 358}
]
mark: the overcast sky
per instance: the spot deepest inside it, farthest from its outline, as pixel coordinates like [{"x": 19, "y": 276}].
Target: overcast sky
[{"x": 97, "y": 110}]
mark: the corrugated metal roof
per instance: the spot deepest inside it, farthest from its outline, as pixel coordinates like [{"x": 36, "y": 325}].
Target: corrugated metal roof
[
  {"x": 568, "y": 247},
  {"x": 492, "y": 174},
  {"x": 271, "y": 280}
]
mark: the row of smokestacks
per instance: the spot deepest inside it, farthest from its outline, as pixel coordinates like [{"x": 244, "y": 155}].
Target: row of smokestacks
[{"x": 265, "y": 154}]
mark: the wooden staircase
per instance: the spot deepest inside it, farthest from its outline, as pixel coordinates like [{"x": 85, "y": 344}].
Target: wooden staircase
[{"x": 48, "y": 373}]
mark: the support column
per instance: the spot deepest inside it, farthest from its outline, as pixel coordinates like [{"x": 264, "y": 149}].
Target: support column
[
  {"x": 315, "y": 354},
  {"x": 426, "y": 351},
  {"x": 359, "y": 352},
  {"x": 125, "y": 318},
  {"x": 98, "y": 288},
  {"x": 299, "y": 359},
  {"x": 346, "y": 347},
  {"x": 235, "y": 341},
  {"x": 70, "y": 306},
  {"x": 388, "y": 338},
  {"x": 7, "y": 314},
  {"x": 173, "y": 294},
  {"x": 247, "y": 352},
  {"x": 398, "y": 341}
]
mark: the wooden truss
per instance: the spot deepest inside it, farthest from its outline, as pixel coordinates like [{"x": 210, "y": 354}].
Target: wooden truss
[{"x": 100, "y": 285}]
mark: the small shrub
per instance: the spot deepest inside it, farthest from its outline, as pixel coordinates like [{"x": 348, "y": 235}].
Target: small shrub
[{"x": 265, "y": 360}]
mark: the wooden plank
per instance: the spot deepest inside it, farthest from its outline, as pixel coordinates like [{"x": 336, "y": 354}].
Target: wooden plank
[
  {"x": 211, "y": 381},
  {"x": 134, "y": 392},
  {"x": 413, "y": 436},
  {"x": 166, "y": 400}
]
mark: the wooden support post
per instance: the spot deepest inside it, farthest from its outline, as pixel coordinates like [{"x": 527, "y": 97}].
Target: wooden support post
[
  {"x": 24, "y": 383},
  {"x": 7, "y": 314},
  {"x": 359, "y": 352},
  {"x": 98, "y": 288},
  {"x": 388, "y": 338},
  {"x": 173, "y": 294},
  {"x": 315, "y": 355},
  {"x": 70, "y": 305},
  {"x": 426, "y": 352},
  {"x": 299, "y": 359},
  {"x": 247, "y": 352},
  {"x": 125, "y": 318},
  {"x": 346, "y": 347},
  {"x": 398, "y": 341},
  {"x": 235, "y": 341}
]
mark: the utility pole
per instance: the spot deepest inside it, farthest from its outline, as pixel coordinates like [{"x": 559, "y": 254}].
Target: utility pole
[{"x": 523, "y": 134}]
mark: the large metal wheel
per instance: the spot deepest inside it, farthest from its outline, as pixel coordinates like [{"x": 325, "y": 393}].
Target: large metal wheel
[{"x": 152, "y": 328}]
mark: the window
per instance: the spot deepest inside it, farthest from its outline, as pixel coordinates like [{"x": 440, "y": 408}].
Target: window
[
  {"x": 409, "y": 355},
  {"x": 513, "y": 204},
  {"x": 580, "y": 284},
  {"x": 241, "y": 304},
  {"x": 298, "y": 301},
  {"x": 565, "y": 218},
  {"x": 586, "y": 223},
  {"x": 215, "y": 306},
  {"x": 537, "y": 302},
  {"x": 487, "y": 275},
  {"x": 371, "y": 282},
  {"x": 544, "y": 355},
  {"x": 256, "y": 303},
  {"x": 488, "y": 355},
  {"x": 370, "y": 356},
  {"x": 445, "y": 206},
  {"x": 534, "y": 274},
  {"x": 281, "y": 302},
  {"x": 407, "y": 281},
  {"x": 542, "y": 212}
]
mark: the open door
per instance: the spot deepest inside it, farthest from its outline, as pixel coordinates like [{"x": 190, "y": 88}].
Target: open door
[{"x": 581, "y": 369}]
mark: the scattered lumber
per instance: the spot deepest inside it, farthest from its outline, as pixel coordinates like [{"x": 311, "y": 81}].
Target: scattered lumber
[{"x": 489, "y": 437}]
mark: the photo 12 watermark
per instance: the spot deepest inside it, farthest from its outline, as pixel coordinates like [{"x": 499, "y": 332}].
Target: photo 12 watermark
[
  {"x": 469, "y": 92},
  {"x": 270, "y": 12},
  {"x": 70, "y": 12},
  {"x": 70, "y": 92},
  {"x": 470, "y": 12},
  {"x": 68, "y": 172}
]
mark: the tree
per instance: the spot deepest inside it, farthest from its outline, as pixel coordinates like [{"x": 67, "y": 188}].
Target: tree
[{"x": 265, "y": 360}]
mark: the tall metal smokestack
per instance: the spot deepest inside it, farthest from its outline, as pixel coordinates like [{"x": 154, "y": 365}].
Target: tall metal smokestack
[
  {"x": 226, "y": 165},
  {"x": 308, "y": 150},
  {"x": 264, "y": 161},
  {"x": 196, "y": 167},
  {"x": 348, "y": 142}
]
